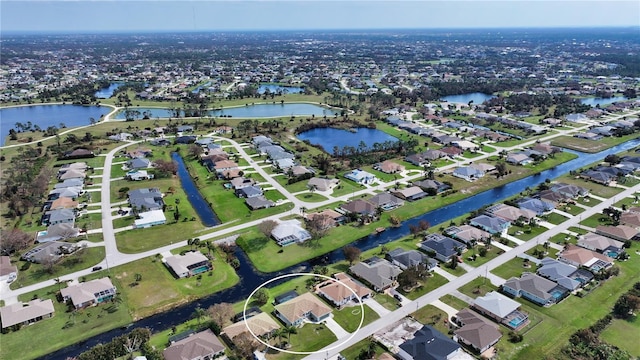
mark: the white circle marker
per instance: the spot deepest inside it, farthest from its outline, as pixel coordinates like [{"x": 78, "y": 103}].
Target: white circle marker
[{"x": 246, "y": 303}]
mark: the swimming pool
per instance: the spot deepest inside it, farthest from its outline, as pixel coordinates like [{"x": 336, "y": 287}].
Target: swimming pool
[
  {"x": 557, "y": 294},
  {"x": 612, "y": 254},
  {"x": 517, "y": 322},
  {"x": 200, "y": 269}
]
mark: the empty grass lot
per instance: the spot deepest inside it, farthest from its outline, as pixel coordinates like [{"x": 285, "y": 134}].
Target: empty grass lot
[
  {"x": 349, "y": 317},
  {"x": 454, "y": 302},
  {"x": 431, "y": 315},
  {"x": 512, "y": 268},
  {"x": 427, "y": 285},
  {"x": 590, "y": 146},
  {"x": 618, "y": 334}
]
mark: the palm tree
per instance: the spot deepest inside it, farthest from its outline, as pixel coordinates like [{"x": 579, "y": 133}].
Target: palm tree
[
  {"x": 290, "y": 330},
  {"x": 198, "y": 314}
]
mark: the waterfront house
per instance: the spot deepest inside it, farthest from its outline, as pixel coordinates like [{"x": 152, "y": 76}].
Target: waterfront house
[
  {"x": 359, "y": 207},
  {"x": 19, "y": 314},
  {"x": 475, "y": 331},
  {"x": 408, "y": 258},
  {"x": 339, "y": 293},
  {"x": 386, "y": 201},
  {"x": 538, "y": 206},
  {"x": 89, "y": 293},
  {"x": 328, "y": 217},
  {"x": 378, "y": 273},
  {"x": 518, "y": 159},
  {"x": 411, "y": 193},
  {"x": 467, "y": 234},
  {"x": 304, "y": 308},
  {"x": 535, "y": 288},
  {"x": 501, "y": 309},
  {"x": 468, "y": 173},
  {"x": 289, "y": 232},
  {"x": 188, "y": 264},
  {"x": 492, "y": 225},
  {"x": 431, "y": 187},
  {"x": 203, "y": 345},
  {"x": 442, "y": 247},
  {"x": 261, "y": 325},
  {"x": 509, "y": 213}
]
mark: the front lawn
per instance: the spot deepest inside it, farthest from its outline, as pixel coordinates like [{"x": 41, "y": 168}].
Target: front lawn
[
  {"x": 479, "y": 286},
  {"x": 454, "y": 302},
  {"x": 429, "y": 284},
  {"x": 387, "y": 301},
  {"x": 349, "y": 317},
  {"x": 431, "y": 315},
  {"x": 512, "y": 268},
  {"x": 311, "y": 197},
  {"x": 310, "y": 337},
  {"x": 555, "y": 218}
]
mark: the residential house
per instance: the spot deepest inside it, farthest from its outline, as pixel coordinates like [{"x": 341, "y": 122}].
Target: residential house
[
  {"x": 160, "y": 142},
  {"x": 322, "y": 184},
  {"x": 78, "y": 154},
  {"x": 343, "y": 291},
  {"x": 63, "y": 202},
  {"x": 465, "y": 145},
  {"x": 241, "y": 182},
  {"x": 425, "y": 158},
  {"x": 57, "y": 232},
  {"x": 378, "y": 273},
  {"x": 259, "y": 202},
  {"x": 261, "y": 325},
  {"x": 429, "y": 344},
  {"x": 442, "y": 247},
  {"x": 467, "y": 234},
  {"x": 501, "y": 309},
  {"x": 291, "y": 294},
  {"x": 70, "y": 183},
  {"x": 491, "y": 224},
  {"x": 468, "y": 173},
  {"x": 408, "y": 258},
  {"x": 518, "y": 159},
  {"x": 59, "y": 216},
  {"x": 225, "y": 166},
  {"x": 70, "y": 192},
  {"x": 535, "y": 288},
  {"x": 89, "y": 293},
  {"x": 484, "y": 167},
  {"x": 509, "y": 213},
  {"x": 203, "y": 345},
  {"x": 138, "y": 175},
  {"x": 329, "y": 218},
  {"x": 566, "y": 275},
  {"x": 576, "y": 117},
  {"x": 389, "y": 167},
  {"x": 630, "y": 219},
  {"x": 386, "y": 201},
  {"x": 150, "y": 218},
  {"x": 451, "y": 151},
  {"x": 581, "y": 257},
  {"x": 72, "y": 174},
  {"x": 601, "y": 244},
  {"x": 598, "y": 177},
  {"x": 619, "y": 232},
  {"x": 188, "y": 264},
  {"x": 431, "y": 187},
  {"x": 360, "y": 207},
  {"x": 49, "y": 251},
  {"x": 569, "y": 191},
  {"x": 26, "y": 313},
  {"x": 410, "y": 193},
  {"x": 139, "y": 153},
  {"x": 361, "y": 177},
  {"x": 249, "y": 192},
  {"x": 137, "y": 163},
  {"x": 304, "y": 308},
  {"x": 146, "y": 199},
  {"x": 289, "y": 232},
  {"x": 185, "y": 139},
  {"x": 475, "y": 331},
  {"x": 79, "y": 166},
  {"x": 538, "y": 206}
]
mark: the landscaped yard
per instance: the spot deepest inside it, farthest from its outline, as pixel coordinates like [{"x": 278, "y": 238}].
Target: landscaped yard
[
  {"x": 310, "y": 337},
  {"x": 428, "y": 285}
]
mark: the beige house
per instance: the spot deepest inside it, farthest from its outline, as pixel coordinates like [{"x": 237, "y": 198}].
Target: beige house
[
  {"x": 306, "y": 307},
  {"x": 199, "y": 346},
  {"x": 261, "y": 325},
  {"x": 339, "y": 294},
  {"x": 26, "y": 313},
  {"x": 89, "y": 293}
]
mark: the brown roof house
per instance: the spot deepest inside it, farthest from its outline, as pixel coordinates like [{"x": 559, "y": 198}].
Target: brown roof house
[
  {"x": 577, "y": 256},
  {"x": 89, "y": 293},
  {"x": 601, "y": 244},
  {"x": 322, "y": 184},
  {"x": 360, "y": 207},
  {"x": 475, "y": 331},
  {"x": 199, "y": 346},
  {"x": 389, "y": 167},
  {"x": 26, "y": 313},
  {"x": 261, "y": 325},
  {"x": 620, "y": 232},
  {"x": 304, "y": 308},
  {"x": 339, "y": 294},
  {"x": 63, "y": 202}
]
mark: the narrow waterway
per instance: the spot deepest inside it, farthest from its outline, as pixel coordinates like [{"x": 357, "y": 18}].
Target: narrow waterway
[
  {"x": 251, "y": 278},
  {"x": 203, "y": 208}
]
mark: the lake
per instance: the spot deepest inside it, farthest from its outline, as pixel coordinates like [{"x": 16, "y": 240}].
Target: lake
[
  {"x": 107, "y": 92},
  {"x": 273, "y": 88},
  {"x": 330, "y": 137},
  {"x": 477, "y": 97},
  {"x": 249, "y": 111},
  {"x": 593, "y": 101},
  {"x": 49, "y": 115}
]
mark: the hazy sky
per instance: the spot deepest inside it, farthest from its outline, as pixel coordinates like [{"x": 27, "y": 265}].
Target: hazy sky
[{"x": 154, "y": 15}]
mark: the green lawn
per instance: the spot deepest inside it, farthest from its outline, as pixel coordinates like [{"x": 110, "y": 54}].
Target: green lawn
[
  {"x": 458, "y": 271},
  {"x": 619, "y": 332},
  {"x": 310, "y": 337},
  {"x": 454, "y": 302},
  {"x": 35, "y": 273},
  {"x": 346, "y": 187},
  {"x": 431, "y": 315},
  {"x": 354, "y": 351},
  {"x": 528, "y": 232},
  {"x": 311, "y": 197},
  {"x": 555, "y": 218},
  {"x": 512, "y": 268},
  {"x": 595, "y": 189},
  {"x": 596, "y": 220},
  {"x": 590, "y": 146},
  {"x": 477, "y": 287},
  {"x": 387, "y": 301},
  {"x": 492, "y": 253},
  {"x": 428, "y": 285},
  {"x": 62, "y": 329},
  {"x": 349, "y": 317},
  {"x": 572, "y": 209}
]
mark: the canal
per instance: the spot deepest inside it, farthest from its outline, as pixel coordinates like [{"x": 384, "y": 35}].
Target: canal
[
  {"x": 203, "y": 208},
  {"x": 250, "y": 278}
]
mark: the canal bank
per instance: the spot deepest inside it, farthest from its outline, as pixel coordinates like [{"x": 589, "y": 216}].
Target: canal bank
[{"x": 250, "y": 278}]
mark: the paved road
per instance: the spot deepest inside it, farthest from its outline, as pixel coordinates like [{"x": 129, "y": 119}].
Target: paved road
[{"x": 461, "y": 280}]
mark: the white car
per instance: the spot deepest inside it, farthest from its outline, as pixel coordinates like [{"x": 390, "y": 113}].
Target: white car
[{"x": 11, "y": 278}]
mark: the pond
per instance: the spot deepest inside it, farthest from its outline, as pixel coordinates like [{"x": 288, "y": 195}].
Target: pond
[
  {"x": 330, "y": 138},
  {"x": 476, "y": 97},
  {"x": 201, "y": 206},
  {"x": 593, "y": 101},
  {"x": 249, "y": 111},
  {"x": 49, "y": 115},
  {"x": 108, "y": 91},
  {"x": 279, "y": 89}
]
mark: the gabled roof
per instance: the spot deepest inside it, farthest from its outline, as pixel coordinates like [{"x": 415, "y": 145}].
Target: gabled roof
[
  {"x": 298, "y": 307},
  {"x": 497, "y": 304}
]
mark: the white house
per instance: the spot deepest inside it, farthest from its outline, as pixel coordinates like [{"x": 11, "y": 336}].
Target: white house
[
  {"x": 150, "y": 218},
  {"x": 361, "y": 177}
]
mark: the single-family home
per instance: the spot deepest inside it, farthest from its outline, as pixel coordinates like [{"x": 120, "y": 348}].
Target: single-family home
[
  {"x": 491, "y": 224},
  {"x": 70, "y": 183},
  {"x": 328, "y": 217},
  {"x": 26, "y": 313},
  {"x": 360, "y": 207},
  {"x": 259, "y": 202},
  {"x": 535, "y": 288},
  {"x": 78, "y": 154},
  {"x": 241, "y": 182},
  {"x": 431, "y": 187},
  {"x": 139, "y": 153},
  {"x": 57, "y": 232},
  {"x": 223, "y": 166},
  {"x": 289, "y": 232},
  {"x": 408, "y": 258},
  {"x": 538, "y": 206},
  {"x": 72, "y": 174},
  {"x": 467, "y": 234},
  {"x": 188, "y": 264},
  {"x": 410, "y": 193},
  {"x": 137, "y": 163},
  {"x": 501, "y": 309},
  {"x": 619, "y": 232},
  {"x": 601, "y": 244},
  {"x": 185, "y": 139},
  {"x": 361, "y": 177},
  {"x": 261, "y": 325},
  {"x": 389, "y": 167},
  {"x": 442, "y": 247},
  {"x": 149, "y": 218},
  {"x": 49, "y": 251},
  {"x": 569, "y": 191},
  {"x": 599, "y": 177},
  {"x": 304, "y": 308},
  {"x": 339, "y": 293},
  {"x": 322, "y": 184},
  {"x": 377, "y": 272},
  {"x": 89, "y": 293},
  {"x": 249, "y": 192},
  {"x": 465, "y": 145},
  {"x": 138, "y": 175},
  {"x": 631, "y": 219},
  {"x": 59, "y": 216},
  {"x": 199, "y": 346},
  {"x": 509, "y": 213},
  {"x": 429, "y": 344},
  {"x": 518, "y": 159},
  {"x": 468, "y": 173},
  {"x": 578, "y": 256},
  {"x": 575, "y": 117},
  {"x": 386, "y": 201},
  {"x": 475, "y": 331},
  {"x": 145, "y": 199},
  {"x": 564, "y": 274}
]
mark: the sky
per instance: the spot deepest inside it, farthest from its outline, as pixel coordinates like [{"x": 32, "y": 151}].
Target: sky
[{"x": 237, "y": 15}]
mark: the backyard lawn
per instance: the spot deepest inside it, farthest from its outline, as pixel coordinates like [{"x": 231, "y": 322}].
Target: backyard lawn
[{"x": 618, "y": 334}]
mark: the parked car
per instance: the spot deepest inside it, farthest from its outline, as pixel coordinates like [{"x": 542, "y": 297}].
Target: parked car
[
  {"x": 11, "y": 278},
  {"x": 96, "y": 268}
]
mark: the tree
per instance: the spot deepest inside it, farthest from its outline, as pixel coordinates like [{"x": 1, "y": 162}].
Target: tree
[
  {"x": 198, "y": 314},
  {"x": 166, "y": 168},
  {"x": 195, "y": 151},
  {"x": 412, "y": 275},
  {"x": 137, "y": 277},
  {"x": 319, "y": 225},
  {"x": 626, "y": 305},
  {"x": 612, "y": 159},
  {"x": 261, "y": 296},
  {"x": 267, "y": 226},
  {"x": 290, "y": 330},
  {"x": 221, "y": 313},
  {"x": 245, "y": 345},
  {"x": 351, "y": 254},
  {"x": 14, "y": 240},
  {"x": 453, "y": 264}
]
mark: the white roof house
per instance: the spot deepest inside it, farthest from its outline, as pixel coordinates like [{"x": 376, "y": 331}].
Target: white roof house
[
  {"x": 288, "y": 232},
  {"x": 150, "y": 218},
  {"x": 190, "y": 263},
  {"x": 360, "y": 176}
]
